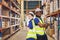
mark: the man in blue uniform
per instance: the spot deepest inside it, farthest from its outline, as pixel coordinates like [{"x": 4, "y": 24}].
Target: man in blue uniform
[{"x": 40, "y": 25}]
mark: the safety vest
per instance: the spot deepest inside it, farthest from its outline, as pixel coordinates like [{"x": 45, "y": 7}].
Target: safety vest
[
  {"x": 40, "y": 30},
  {"x": 31, "y": 33}
]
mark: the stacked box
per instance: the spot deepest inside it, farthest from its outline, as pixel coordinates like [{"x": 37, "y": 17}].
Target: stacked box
[
  {"x": 5, "y": 13},
  {"x": 5, "y": 23}
]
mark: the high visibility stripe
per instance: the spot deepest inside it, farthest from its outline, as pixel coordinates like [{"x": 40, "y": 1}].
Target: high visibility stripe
[
  {"x": 38, "y": 29},
  {"x": 31, "y": 33}
]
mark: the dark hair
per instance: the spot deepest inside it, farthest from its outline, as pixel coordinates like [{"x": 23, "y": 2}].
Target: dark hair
[{"x": 32, "y": 15}]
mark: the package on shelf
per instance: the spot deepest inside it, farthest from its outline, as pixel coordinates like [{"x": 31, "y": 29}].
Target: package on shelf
[
  {"x": 43, "y": 16},
  {"x": 48, "y": 19},
  {"x": 51, "y": 7},
  {"x": 12, "y": 22},
  {"x": 52, "y": 18},
  {"x": 47, "y": 8},
  {"x": 13, "y": 28},
  {"x": 17, "y": 21},
  {"x": 17, "y": 16},
  {"x": 12, "y": 14},
  {"x": 44, "y": 11},
  {"x": 55, "y": 5},
  {"x": 5, "y": 23},
  {"x": 5, "y": 12},
  {"x": 6, "y": 32},
  {"x": 51, "y": 32}
]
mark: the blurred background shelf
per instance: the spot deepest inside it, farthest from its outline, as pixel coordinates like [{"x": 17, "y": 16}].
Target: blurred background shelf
[{"x": 10, "y": 15}]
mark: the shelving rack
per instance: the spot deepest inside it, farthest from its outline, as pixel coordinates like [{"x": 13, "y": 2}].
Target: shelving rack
[
  {"x": 9, "y": 18},
  {"x": 53, "y": 12},
  {"x": 56, "y": 14}
]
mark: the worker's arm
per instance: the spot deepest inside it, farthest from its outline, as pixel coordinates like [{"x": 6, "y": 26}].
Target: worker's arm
[
  {"x": 43, "y": 25},
  {"x": 40, "y": 25},
  {"x": 30, "y": 26},
  {"x": 37, "y": 22}
]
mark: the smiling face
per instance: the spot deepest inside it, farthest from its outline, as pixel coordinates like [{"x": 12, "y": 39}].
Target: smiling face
[
  {"x": 30, "y": 16},
  {"x": 38, "y": 14}
]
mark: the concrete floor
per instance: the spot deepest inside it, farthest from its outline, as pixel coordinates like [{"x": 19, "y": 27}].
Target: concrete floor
[{"x": 21, "y": 35}]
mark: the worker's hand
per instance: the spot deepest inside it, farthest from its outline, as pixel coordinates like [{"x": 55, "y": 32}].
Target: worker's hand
[{"x": 45, "y": 25}]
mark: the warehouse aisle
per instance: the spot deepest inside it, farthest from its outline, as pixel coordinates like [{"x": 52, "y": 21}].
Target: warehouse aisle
[{"x": 20, "y": 35}]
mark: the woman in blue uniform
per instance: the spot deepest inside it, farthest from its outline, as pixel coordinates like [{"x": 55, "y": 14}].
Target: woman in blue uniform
[{"x": 30, "y": 26}]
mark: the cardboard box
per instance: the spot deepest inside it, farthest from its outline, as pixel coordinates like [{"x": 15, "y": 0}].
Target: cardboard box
[
  {"x": 5, "y": 13},
  {"x": 51, "y": 32}
]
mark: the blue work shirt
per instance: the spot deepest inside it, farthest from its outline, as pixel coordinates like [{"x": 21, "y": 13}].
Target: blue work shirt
[
  {"x": 30, "y": 24},
  {"x": 36, "y": 20}
]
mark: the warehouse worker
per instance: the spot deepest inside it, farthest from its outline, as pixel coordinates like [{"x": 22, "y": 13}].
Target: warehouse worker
[
  {"x": 40, "y": 25},
  {"x": 31, "y": 35}
]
